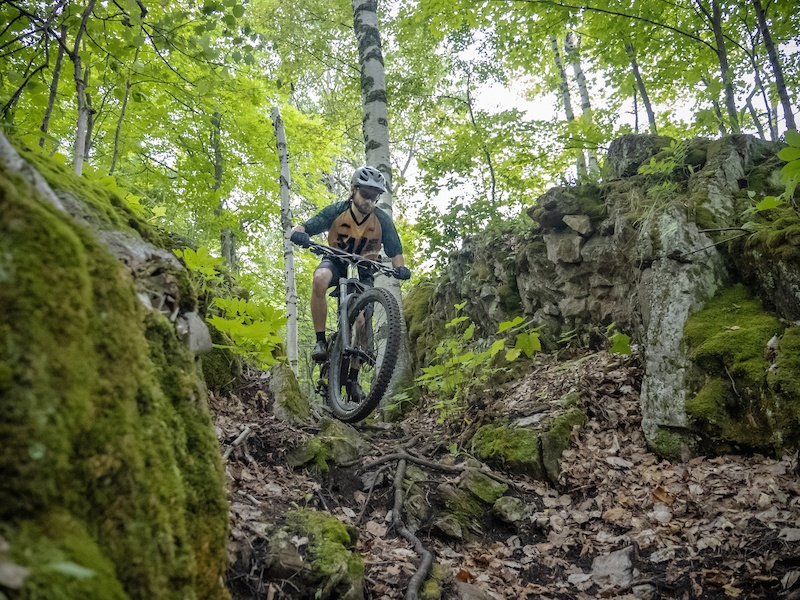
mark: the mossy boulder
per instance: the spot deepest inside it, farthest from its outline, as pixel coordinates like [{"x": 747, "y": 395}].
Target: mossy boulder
[
  {"x": 482, "y": 486},
  {"x": 290, "y": 403},
  {"x": 336, "y": 571},
  {"x": 336, "y": 441},
  {"x": 514, "y": 449},
  {"x": 745, "y": 393},
  {"x": 556, "y": 439},
  {"x": 109, "y": 462}
]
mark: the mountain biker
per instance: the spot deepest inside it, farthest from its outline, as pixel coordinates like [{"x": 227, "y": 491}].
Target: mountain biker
[{"x": 354, "y": 225}]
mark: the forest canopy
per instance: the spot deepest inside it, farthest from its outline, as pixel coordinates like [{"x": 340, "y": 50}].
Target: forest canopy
[{"x": 169, "y": 103}]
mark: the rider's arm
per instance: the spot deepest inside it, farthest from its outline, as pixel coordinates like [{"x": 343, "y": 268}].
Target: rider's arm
[{"x": 398, "y": 261}]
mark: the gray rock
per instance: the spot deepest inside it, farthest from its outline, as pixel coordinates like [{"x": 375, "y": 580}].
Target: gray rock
[
  {"x": 194, "y": 332},
  {"x": 510, "y": 509},
  {"x": 627, "y": 153},
  {"x": 617, "y": 567}
]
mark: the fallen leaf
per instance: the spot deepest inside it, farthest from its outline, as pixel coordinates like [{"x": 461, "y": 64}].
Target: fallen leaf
[
  {"x": 789, "y": 534},
  {"x": 662, "y": 495}
]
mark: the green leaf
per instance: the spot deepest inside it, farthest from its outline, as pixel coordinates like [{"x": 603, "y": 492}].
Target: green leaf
[
  {"x": 789, "y": 154},
  {"x": 469, "y": 331},
  {"x": 620, "y": 343},
  {"x": 793, "y": 138},
  {"x": 496, "y": 347},
  {"x": 768, "y": 203},
  {"x": 509, "y": 324},
  {"x": 513, "y": 354},
  {"x": 238, "y": 11},
  {"x": 529, "y": 343},
  {"x": 460, "y": 306}
]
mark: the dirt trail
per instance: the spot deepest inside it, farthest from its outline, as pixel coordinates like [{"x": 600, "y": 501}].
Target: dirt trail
[{"x": 622, "y": 523}]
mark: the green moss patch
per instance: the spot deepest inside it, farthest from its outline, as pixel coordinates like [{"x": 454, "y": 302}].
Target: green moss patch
[
  {"x": 107, "y": 439},
  {"x": 511, "y": 448},
  {"x": 556, "y": 439},
  {"x": 735, "y": 405},
  {"x": 339, "y": 570}
]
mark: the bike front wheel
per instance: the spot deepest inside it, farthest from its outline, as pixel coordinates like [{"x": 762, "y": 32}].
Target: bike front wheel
[{"x": 359, "y": 376}]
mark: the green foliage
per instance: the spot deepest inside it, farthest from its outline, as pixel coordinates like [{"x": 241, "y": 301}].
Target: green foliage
[
  {"x": 464, "y": 364},
  {"x": 202, "y": 263},
  {"x": 790, "y": 177},
  {"x": 620, "y": 342},
  {"x": 254, "y": 328},
  {"x": 662, "y": 167}
]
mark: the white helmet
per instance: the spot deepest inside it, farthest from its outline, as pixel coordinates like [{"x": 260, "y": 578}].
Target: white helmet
[{"x": 369, "y": 177}]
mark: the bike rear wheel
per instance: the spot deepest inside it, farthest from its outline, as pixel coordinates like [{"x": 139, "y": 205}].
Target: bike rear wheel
[{"x": 376, "y": 329}]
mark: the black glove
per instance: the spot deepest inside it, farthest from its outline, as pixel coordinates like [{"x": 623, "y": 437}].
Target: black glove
[
  {"x": 301, "y": 238},
  {"x": 402, "y": 273}
]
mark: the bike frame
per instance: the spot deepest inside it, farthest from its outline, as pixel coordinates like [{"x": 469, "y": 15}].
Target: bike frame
[{"x": 345, "y": 298}]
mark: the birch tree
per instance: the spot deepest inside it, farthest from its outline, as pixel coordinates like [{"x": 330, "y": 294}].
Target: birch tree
[
  {"x": 373, "y": 94},
  {"x": 288, "y": 252},
  {"x": 567, "y": 101},
  {"x": 81, "y": 129},
  {"x": 572, "y": 50}
]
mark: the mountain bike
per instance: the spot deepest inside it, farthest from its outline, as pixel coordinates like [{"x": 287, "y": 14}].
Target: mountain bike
[{"x": 364, "y": 348}]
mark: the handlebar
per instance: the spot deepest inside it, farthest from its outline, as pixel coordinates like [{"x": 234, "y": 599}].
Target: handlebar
[{"x": 355, "y": 259}]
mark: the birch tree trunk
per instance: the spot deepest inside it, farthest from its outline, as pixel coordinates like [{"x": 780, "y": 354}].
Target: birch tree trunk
[
  {"x": 376, "y": 147},
  {"x": 288, "y": 253},
  {"x": 651, "y": 117},
  {"x": 79, "y": 151},
  {"x": 51, "y": 101},
  {"x": 373, "y": 94},
  {"x": 780, "y": 83},
  {"x": 227, "y": 238},
  {"x": 572, "y": 50},
  {"x": 565, "y": 98}
]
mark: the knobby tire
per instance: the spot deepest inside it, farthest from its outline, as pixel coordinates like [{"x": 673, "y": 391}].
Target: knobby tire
[{"x": 351, "y": 412}]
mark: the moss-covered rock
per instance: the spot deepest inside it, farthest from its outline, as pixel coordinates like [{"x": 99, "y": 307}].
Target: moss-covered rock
[
  {"x": 483, "y": 487},
  {"x": 433, "y": 586},
  {"x": 515, "y": 449},
  {"x": 336, "y": 441},
  {"x": 107, "y": 439},
  {"x": 461, "y": 512},
  {"x": 290, "y": 403},
  {"x": 336, "y": 570},
  {"x": 746, "y": 393},
  {"x": 673, "y": 444},
  {"x": 556, "y": 439}
]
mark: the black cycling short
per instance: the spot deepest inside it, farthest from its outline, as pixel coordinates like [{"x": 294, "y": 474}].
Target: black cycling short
[{"x": 339, "y": 270}]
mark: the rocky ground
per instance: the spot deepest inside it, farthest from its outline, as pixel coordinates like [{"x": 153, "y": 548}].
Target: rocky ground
[{"x": 621, "y": 523}]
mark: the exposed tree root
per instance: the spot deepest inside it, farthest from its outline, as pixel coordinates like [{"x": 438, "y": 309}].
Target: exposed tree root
[{"x": 424, "y": 568}]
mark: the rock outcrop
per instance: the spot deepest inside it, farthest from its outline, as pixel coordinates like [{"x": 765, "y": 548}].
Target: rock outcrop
[
  {"x": 644, "y": 251},
  {"x": 112, "y": 484}
]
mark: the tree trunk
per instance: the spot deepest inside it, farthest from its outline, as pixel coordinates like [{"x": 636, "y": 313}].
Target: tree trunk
[
  {"x": 376, "y": 146},
  {"x": 123, "y": 108},
  {"x": 79, "y": 151},
  {"x": 565, "y": 98},
  {"x": 715, "y": 18},
  {"x": 486, "y": 153},
  {"x": 288, "y": 253},
  {"x": 651, "y": 117},
  {"x": 90, "y": 113},
  {"x": 780, "y": 83},
  {"x": 227, "y": 238},
  {"x": 572, "y": 50},
  {"x": 51, "y": 101},
  {"x": 373, "y": 94}
]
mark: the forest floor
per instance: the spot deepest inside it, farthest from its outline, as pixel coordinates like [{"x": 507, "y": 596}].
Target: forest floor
[{"x": 621, "y": 523}]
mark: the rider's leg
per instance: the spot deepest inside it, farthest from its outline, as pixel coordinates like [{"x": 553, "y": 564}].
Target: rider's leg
[{"x": 319, "y": 310}]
